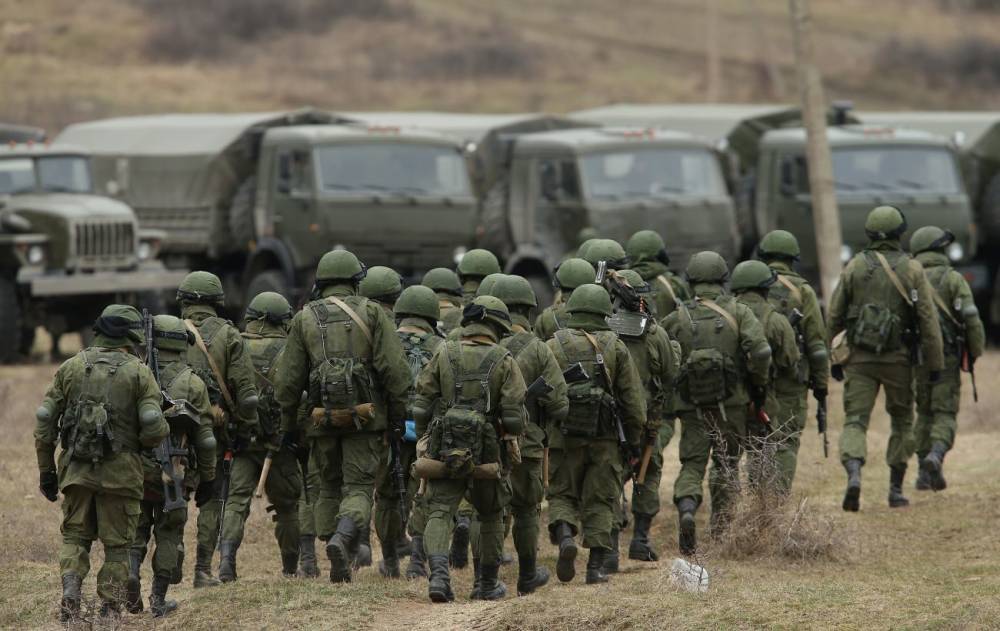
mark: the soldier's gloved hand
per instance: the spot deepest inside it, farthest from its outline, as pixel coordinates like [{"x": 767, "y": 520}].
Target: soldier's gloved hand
[
  {"x": 204, "y": 493},
  {"x": 934, "y": 376},
  {"x": 837, "y": 372},
  {"x": 48, "y": 484}
]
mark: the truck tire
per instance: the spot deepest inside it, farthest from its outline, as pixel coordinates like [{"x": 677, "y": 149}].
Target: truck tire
[
  {"x": 10, "y": 322},
  {"x": 268, "y": 280},
  {"x": 241, "y": 224}
]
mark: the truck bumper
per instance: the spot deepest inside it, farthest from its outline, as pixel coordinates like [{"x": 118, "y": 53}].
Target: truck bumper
[{"x": 146, "y": 278}]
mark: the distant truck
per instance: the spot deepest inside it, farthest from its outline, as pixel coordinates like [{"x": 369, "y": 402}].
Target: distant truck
[
  {"x": 66, "y": 251},
  {"x": 259, "y": 198}
]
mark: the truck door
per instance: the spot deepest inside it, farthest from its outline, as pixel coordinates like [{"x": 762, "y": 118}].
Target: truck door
[
  {"x": 295, "y": 216},
  {"x": 559, "y": 214}
]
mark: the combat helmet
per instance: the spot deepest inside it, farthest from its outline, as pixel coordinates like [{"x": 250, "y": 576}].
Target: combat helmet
[
  {"x": 515, "y": 291},
  {"x": 779, "y": 244},
  {"x": 270, "y": 306},
  {"x": 487, "y": 285},
  {"x": 418, "y": 301},
  {"x": 752, "y": 275},
  {"x": 382, "y": 284},
  {"x": 634, "y": 280},
  {"x": 170, "y": 334},
  {"x": 647, "y": 245},
  {"x": 478, "y": 263},
  {"x": 885, "y": 222},
  {"x": 119, "y": 325},
  {"x": 340, "y": 265},
  {"x": 443, "y": 280},
  {"x": 707, "y": 267},
  {"x": 930, "y": 238},
  {"x": 609, "y": 251},
  {"x": 201, "y": 288},
  {"x": 487, "y": 309},
  {"x": 590, "y": 299}
]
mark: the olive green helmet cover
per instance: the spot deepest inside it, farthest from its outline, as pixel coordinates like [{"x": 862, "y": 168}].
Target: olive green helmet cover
[
  {"x": 270, "y": 306},
  {"x": 707, "y": 267},
  {"x": 647, "y": 245},
  {"x": 478, "y": 263},
  {"x": 572, "y": 273},
  {"x": 418, "y": 301},
  {"x": 590, "y": 299},
  {"x": 340, "y": 265},
  {"x": 381, "y": 283},
  {"x": 930, "y": 238},
  {"x": 752, "y": 275},
  {"x": 444, "y": 280},
  {"x": 170, "y": 334},
  {"x": 489, "y": 309},
  {"x": 885, "y": 222},
  {"x": 515, "y": 291},
  {"x": 779, "y": 244},
  {"x": 201, "y": 288}
]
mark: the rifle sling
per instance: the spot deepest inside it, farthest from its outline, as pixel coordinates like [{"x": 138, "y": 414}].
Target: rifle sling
[
  {"x": 223, "y": 388},
  {"x": 728, "y": 317},
  {"x": 352, "y": 314},
  {"x": 942, "y": 307},
  {"x": 666, "y": 285},
  {"x": 792, "y": 289}
]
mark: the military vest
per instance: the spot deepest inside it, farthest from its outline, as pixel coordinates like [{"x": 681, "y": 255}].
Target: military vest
[
  {"x": 264, "y": 353},
  {"x": 879, "y": 320},
  {"x": 211, "y": 328},
  {"x": 591, "y": 402},
  {"x": 710, "y": 339},
  {"x": 419, "y": 349}
]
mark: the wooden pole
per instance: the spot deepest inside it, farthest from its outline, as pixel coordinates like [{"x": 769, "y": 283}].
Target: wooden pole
[{"x": 713, "y": 71}]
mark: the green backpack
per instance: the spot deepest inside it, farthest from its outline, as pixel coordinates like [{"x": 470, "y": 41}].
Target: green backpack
[
  {"x": 264, "y": 352},
  {"x": 87, "y": 432},
  {"x": 591, "y": 406},
  {"x": 709, "y": 373},
  {"x": 419, "y": 349},
  {"x": 875, "y": 326}
]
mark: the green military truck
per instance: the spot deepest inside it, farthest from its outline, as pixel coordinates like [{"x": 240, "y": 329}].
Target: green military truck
[
  {"x": 66, "y": 252},
  {"x": 259, "y": 198}
]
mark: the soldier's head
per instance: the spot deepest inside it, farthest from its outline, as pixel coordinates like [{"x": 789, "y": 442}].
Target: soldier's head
[
  {"x": 778, "y": 245},
  {"x": 443, "y": 281},
  {"x": 381, "y": 284},
  {"x": 516, "y": 292},
  {"x": 572, "y": 273},
  {"x": 588, "y": 233},
  {"x": 707, "y": 268},
  {"x": 885, "y": 223},
  {"x": 488, "y": 310},
  {"x": 607, "y": 250},
  {"x": 119, "y": 326},
  {"x": 753, "y": 276},
  {"x": 339, "y": 267},
  {"x": 931, "y": 239},
  {"x": 488, "y": 284},
  {"x": 418, "y": 301},
  {"x": 201, "y": 288},
  {"x": 268, "y": 308},
  {"x": 475, "y": 266},
  {"x": 170, "y": 337},
  {"x": 588, "y": 307},
  {"x": 647, "y": 246}
]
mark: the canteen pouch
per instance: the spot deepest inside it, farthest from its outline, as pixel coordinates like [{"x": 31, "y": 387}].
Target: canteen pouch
[
  {"x": 707, "y": 377},
  {"x": 876, "y": 329}
]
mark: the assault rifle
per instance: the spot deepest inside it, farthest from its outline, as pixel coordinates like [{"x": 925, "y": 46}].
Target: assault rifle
[
  {"x": 398, "y": 472},
  {"x": 821, "y": 424}
]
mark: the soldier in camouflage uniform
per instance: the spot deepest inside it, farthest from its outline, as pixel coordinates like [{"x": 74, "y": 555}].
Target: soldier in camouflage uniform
[
  {"x": 724, "y": 367},
  {"x": 191, "y": 429},
  {"x": 469, "y": 403},
  {"x": 229, "y": 375},
  {"x": 102, "y": 408},
  {"x": 570, "y": 274},
  {"x": 587, "y": 461},
  {"x": 648, "y": 257},
  {"x": 885, "y": 304},
  {"x": 962, "y": 335},
  {"x": 750, "y": 283},
  {"x": 791, "y": 293},
  {"x": 265, "y": 331},
  {"x": 343, "y": 350},
  {"x": 473, "y": 268},
  {"x": 448, "y": 288}
]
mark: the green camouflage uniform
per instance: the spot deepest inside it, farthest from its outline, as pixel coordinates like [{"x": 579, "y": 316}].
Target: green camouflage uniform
[
  {"x": 665, "y": 287},
  {"x": 553, "y": 318}
]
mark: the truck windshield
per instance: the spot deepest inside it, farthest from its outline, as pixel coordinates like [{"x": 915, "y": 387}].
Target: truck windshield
[
  {"x": 652, "y": 172},
  {"x": 64, "y": 174},
  {"x": 901, "y": 169},
  {"x": 17, "y": 175},
  {"x": 392, "y": 168}
]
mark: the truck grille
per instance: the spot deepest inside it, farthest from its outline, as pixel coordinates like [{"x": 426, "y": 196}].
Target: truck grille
[{"x": 103, "y": 244}]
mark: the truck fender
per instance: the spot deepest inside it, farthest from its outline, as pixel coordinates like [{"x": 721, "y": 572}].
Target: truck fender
[{"x": 270, "y": 254}]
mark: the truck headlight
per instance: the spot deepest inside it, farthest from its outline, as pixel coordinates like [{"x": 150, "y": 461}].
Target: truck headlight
[
  {"x": 846, "y": 253},
  {"x": 148, "y": 249},
  {"x": 955, "y": 251},
  {"x": 36, "y": 255},
  {"x": 458, "y": 254}
]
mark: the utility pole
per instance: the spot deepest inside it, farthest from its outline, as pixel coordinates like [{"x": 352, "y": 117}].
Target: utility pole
[
  {"x": 826, "y": 218},
  {"x": 713, "y": 70}
]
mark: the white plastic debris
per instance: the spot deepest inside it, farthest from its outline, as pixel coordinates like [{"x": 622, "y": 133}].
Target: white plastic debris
[{"x": 688, "y": 576}]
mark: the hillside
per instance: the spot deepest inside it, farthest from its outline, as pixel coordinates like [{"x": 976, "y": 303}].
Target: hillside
[{"x": 63, "y": 61}]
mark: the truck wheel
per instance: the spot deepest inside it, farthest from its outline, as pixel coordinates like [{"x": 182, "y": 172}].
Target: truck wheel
[
  {"x": 241, "y": 213},
  {"x": 270, "y": 280},
  {"x": 10, "y": 322}
]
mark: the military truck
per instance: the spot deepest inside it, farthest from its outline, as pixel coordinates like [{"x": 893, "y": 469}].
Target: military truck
[
  {"x": 65, "y": 251},
  {"x": 20, "y": 134},
  {"x": 259, "y": 198}
]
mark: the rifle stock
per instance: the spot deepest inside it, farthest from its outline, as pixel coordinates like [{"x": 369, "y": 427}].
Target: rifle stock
[{"x": 265, "y": 471}]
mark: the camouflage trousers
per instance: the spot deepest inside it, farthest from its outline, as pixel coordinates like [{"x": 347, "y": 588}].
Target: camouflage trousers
[
  {"x": 307, "y": 519},
  {"x": 283, "y": 488},
  {"x": 711, "y": 435},
  {"x": 388, "y": 523},
  {"x": 167, "y": 529},
  {"x": 584, "y": 486},
  {"x": 527, "y": 492},
  {"x": 209, "y": 512},
  {"x": 937, "y": 407},
  {"x": 90, "y": 515},
  {"x": 646, "y": 496},
  {"x": 861, "y": 386},
  {"x": 488, "y": 497},
  {"x": 346, "y": 466}
]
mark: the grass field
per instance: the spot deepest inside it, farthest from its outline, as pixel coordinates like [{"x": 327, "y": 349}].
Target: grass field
[{"x": 933, "y": 565}]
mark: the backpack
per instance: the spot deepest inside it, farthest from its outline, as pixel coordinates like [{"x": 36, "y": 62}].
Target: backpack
[
  {"x": 87, "y": 432},
  {"x": 418, "y": 350},
  {"x": 709, "y": 373},
  {"x": 876, "y": 326},
  {"x": 591, "y": 406},
  {"x": 264, "y": 352}
]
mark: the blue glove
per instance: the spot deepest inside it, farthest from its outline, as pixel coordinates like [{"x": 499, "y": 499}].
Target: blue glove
[{"x": 410, "y": 435}]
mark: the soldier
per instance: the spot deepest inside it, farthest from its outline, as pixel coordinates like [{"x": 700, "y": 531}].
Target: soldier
[
  {"x": 724, "y": 367},
  {"x": 648, "y": 256},
  {"x": 570, "y": 274},
  {"x": 790, "y": 294},
  {"x": 265, "y": 331},
  {"x": 964, "y": 340},
  {"x": 190, "y": 422},
  {"x": 220, "y": 359},
  {"x": 751, "y": 282},
  {"x": 383, "y": 285},
  {"x": 343, "y": 350},
  {"x": 103, "y": 407},
  {"x": 607, "y": 250},
  {"x": 657, "y": 360},
  {"x": 417, "y": 314},
  {"x": 448, "y": 288},
  {"x": 884, "y": 303},
  {"x": 545, "y": 411},
  {"x": 481, "y": 394},
  {"x": 587, "y": 460},
  {"x": 473, "y": 268}
]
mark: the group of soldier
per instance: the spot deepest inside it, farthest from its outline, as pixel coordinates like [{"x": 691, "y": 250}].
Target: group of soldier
[{"x": 444, "y": 414}]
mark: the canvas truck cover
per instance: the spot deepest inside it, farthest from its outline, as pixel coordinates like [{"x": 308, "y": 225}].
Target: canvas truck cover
[{"x": 20, "y": 134}]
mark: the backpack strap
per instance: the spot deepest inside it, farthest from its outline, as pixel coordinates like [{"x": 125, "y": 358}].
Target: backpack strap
[
  {"x": 352, "y": 314},
  {"x": 200, "y": 343},
  {"x": 666, "y": 285},
  {"x": 898, "y": 284},
  {"x": 942, "y": 307},
  {"x": 520, "y": 342},
  {"x": 792, "y": 288},
  {"x": 599, "y": 360},
  {"x": 728, "y": 317}
]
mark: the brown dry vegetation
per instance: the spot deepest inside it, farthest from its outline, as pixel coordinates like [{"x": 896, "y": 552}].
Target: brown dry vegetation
[{"x": 934, "y": 565}]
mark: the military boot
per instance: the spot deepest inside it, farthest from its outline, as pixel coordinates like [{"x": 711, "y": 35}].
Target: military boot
[
  {"x": 686, "y": 527},
  {"x": 460, "y": 542},
  {"x": 389, "y": 565},
  {"x": 896, "y": 475},
  {"x": 110, "y": 614},
  {"x": 69, "y": 606},
  {"x": 307, "y": 557},
  {"x": 529, "y": 576},
  {"x": 338, "y": 550},
  {"x": 361, "y": 553},
  {"x": 227, "y": 561},
  {"x": 923, "y": 481},
  {"x": 934, "y": 463},
  {"x": 611, "y": 558},
  {"x": 133, "y": 588},
  {"x": 203, "y": 568},
  {"x": 639, "y": 549},
  {"x": 852, "y": 496},
  {"x": 439, "y": 585},
  {"x": 566, "y": 564},
  {"x": 158, "y": 602},
  {"x": 595, "y": 566},
  {"x": 490, "y": 585},
  {"x": 417, "y": 567},
  {"x": 289, "y": 564}
]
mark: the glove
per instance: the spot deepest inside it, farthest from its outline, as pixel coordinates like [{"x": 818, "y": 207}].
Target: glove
[
  {"x": 819, "y": 394},
  {"x": 837, "y": 372},
  {"x": 934, "y": 376},
  {"x": 410, "y": 435},
  {"x": 205, "y": 493},
  {"x": 48, "y": 484}
]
